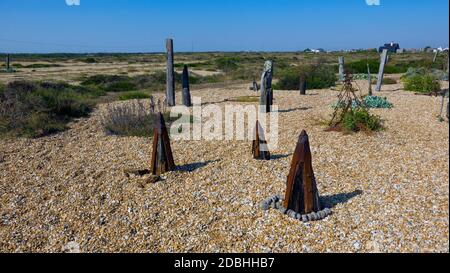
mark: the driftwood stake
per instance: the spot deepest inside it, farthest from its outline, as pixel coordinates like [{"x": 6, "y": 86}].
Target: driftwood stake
[
  {"x": 162, "y": 157},
  {"x": 302, "y": 195},
  {"x": 341, "y": 69},
  {"x": 186, "y": 89},
  {"x": 435, "y": 56},
  {"x": 255, "y": 86},
  {"x": 369, "y": 77},
  {"x": 303, "y": 85},
  {"x": 170, "y": 89},
  {"x": 8, "y": 59},
  {"x": 260, "y": 147},
  {"x": 384, "y": 57},
  {"x": 266, "y": 100}
]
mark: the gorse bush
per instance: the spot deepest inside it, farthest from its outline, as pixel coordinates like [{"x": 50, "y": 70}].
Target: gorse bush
[
  {"x": 360, "y": 119},
  {"x": 317, "y": 76},
  {"x": 38, "y": 109},
  {"x": 422, "y": 83},
  {"x": 228, "y": 64}
]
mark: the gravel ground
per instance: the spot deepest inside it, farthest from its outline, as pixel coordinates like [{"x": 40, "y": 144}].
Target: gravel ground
[{"x": 389, "y": 191}]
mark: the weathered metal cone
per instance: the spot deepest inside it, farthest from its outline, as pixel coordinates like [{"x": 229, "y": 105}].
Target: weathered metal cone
[
  {"x": 302, "y": 195},
  {"x": 162, "y": 157}
]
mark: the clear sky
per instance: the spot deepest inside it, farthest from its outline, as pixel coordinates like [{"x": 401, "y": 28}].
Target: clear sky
[{"x": 219, "y": 25}]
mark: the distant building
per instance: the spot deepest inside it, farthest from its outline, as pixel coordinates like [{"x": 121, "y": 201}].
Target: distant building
[{"x": 392, "y": 47}]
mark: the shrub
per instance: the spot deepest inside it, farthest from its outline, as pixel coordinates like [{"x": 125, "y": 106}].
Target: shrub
[
  {"x": 90, "y": 60},
  {"x": 422, "y": 83},
  {"x": 134, "y": 96},
  {"x": 377, "y": 102},
  {"x": 227, "y": 64},
  {"x": 121, "y": 83},
  {"x": 38, "y": 109},
  {"x": 360, "y": 119},
  {"x": 317, "y": 77},
  {"x": 129, "y": 119}
]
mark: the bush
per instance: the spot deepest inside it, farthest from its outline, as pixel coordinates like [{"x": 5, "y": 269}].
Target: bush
[
  {"x": 227, "y": 64},
  {"x": 134, "y": 96},
  {"x": 317, "y": 77},
  {"x": 121, "y": 83},
  {"x": 360, "y": 120},
  {"x": 129, "y": 119},
  {"x": 37, "y": 109},
  {"x": 422, "y": 83},
  {"x": 90, "y": 60}
]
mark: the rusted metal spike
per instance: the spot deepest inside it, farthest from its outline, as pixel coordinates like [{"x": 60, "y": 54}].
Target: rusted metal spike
[
  {"x": 260, "y": 147},
  {"x": 162, "y": 158},
  {"x": 302, "y": 195}
]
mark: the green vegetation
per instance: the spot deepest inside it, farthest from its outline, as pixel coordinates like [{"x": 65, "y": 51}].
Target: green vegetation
[
  {"x": 360, "y": 119},
  {"x": 134, "y": 96},
  {"x": 422, "y": 83},
  {"x": 228, "y": 64},
  {"x": 318, "y": 76},
  {"x": 135, "y": 118},
  {"x": 37, "y": 109},
  {"x": 90, "y": 60},
  {"x": 37, "y": 65},
  {"x": 377, "y": 102}
]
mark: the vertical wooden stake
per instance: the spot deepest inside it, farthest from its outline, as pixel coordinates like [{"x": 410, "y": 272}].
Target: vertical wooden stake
[
  {"x": 162, "y": 157},
  {"x": 384, "y": 57},
  {"x": 170, "y": 90},
  {"x": 8, "y": 68},
  {"x": 341, "y": 69},
  {"x": 255, "y": 86},
  {"x": 266, "y": 100},
  {"x": 302, "y": 195},
  {"x": 369, "y": 77},
  {"x": 435, "y": 56},
  {"x": 186, "y": 89},
  {"x": 260, "y": 148},
  {"x": 303, "y": 85}
]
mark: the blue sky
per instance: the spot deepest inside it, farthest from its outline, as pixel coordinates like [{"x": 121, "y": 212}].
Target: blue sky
[{"x": 213, "y": 25}]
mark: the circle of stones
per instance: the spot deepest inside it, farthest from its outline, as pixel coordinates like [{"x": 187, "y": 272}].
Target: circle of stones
[{"x": 275, "y": 201}]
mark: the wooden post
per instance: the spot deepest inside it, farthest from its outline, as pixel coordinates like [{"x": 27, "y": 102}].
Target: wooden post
[
  {"x": 384, "y": 57},
  {"x": 266, "y": 100},
  {"x": 8, "y": 68},
  {"x": 303, "y": 85},
  {"x": 186, "y": 89},
  {"x": 302, "y": 195},
  {"x": 369, "y": 77},
  {"x": 260, "y": 148},
  {"x": 170, "y": 90},
  {"x": 435, "y": 56},
  {"x": 162, "y": 157},
  {"x": 341, "y": 69},
  {"x": 255, "y": 86}
]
